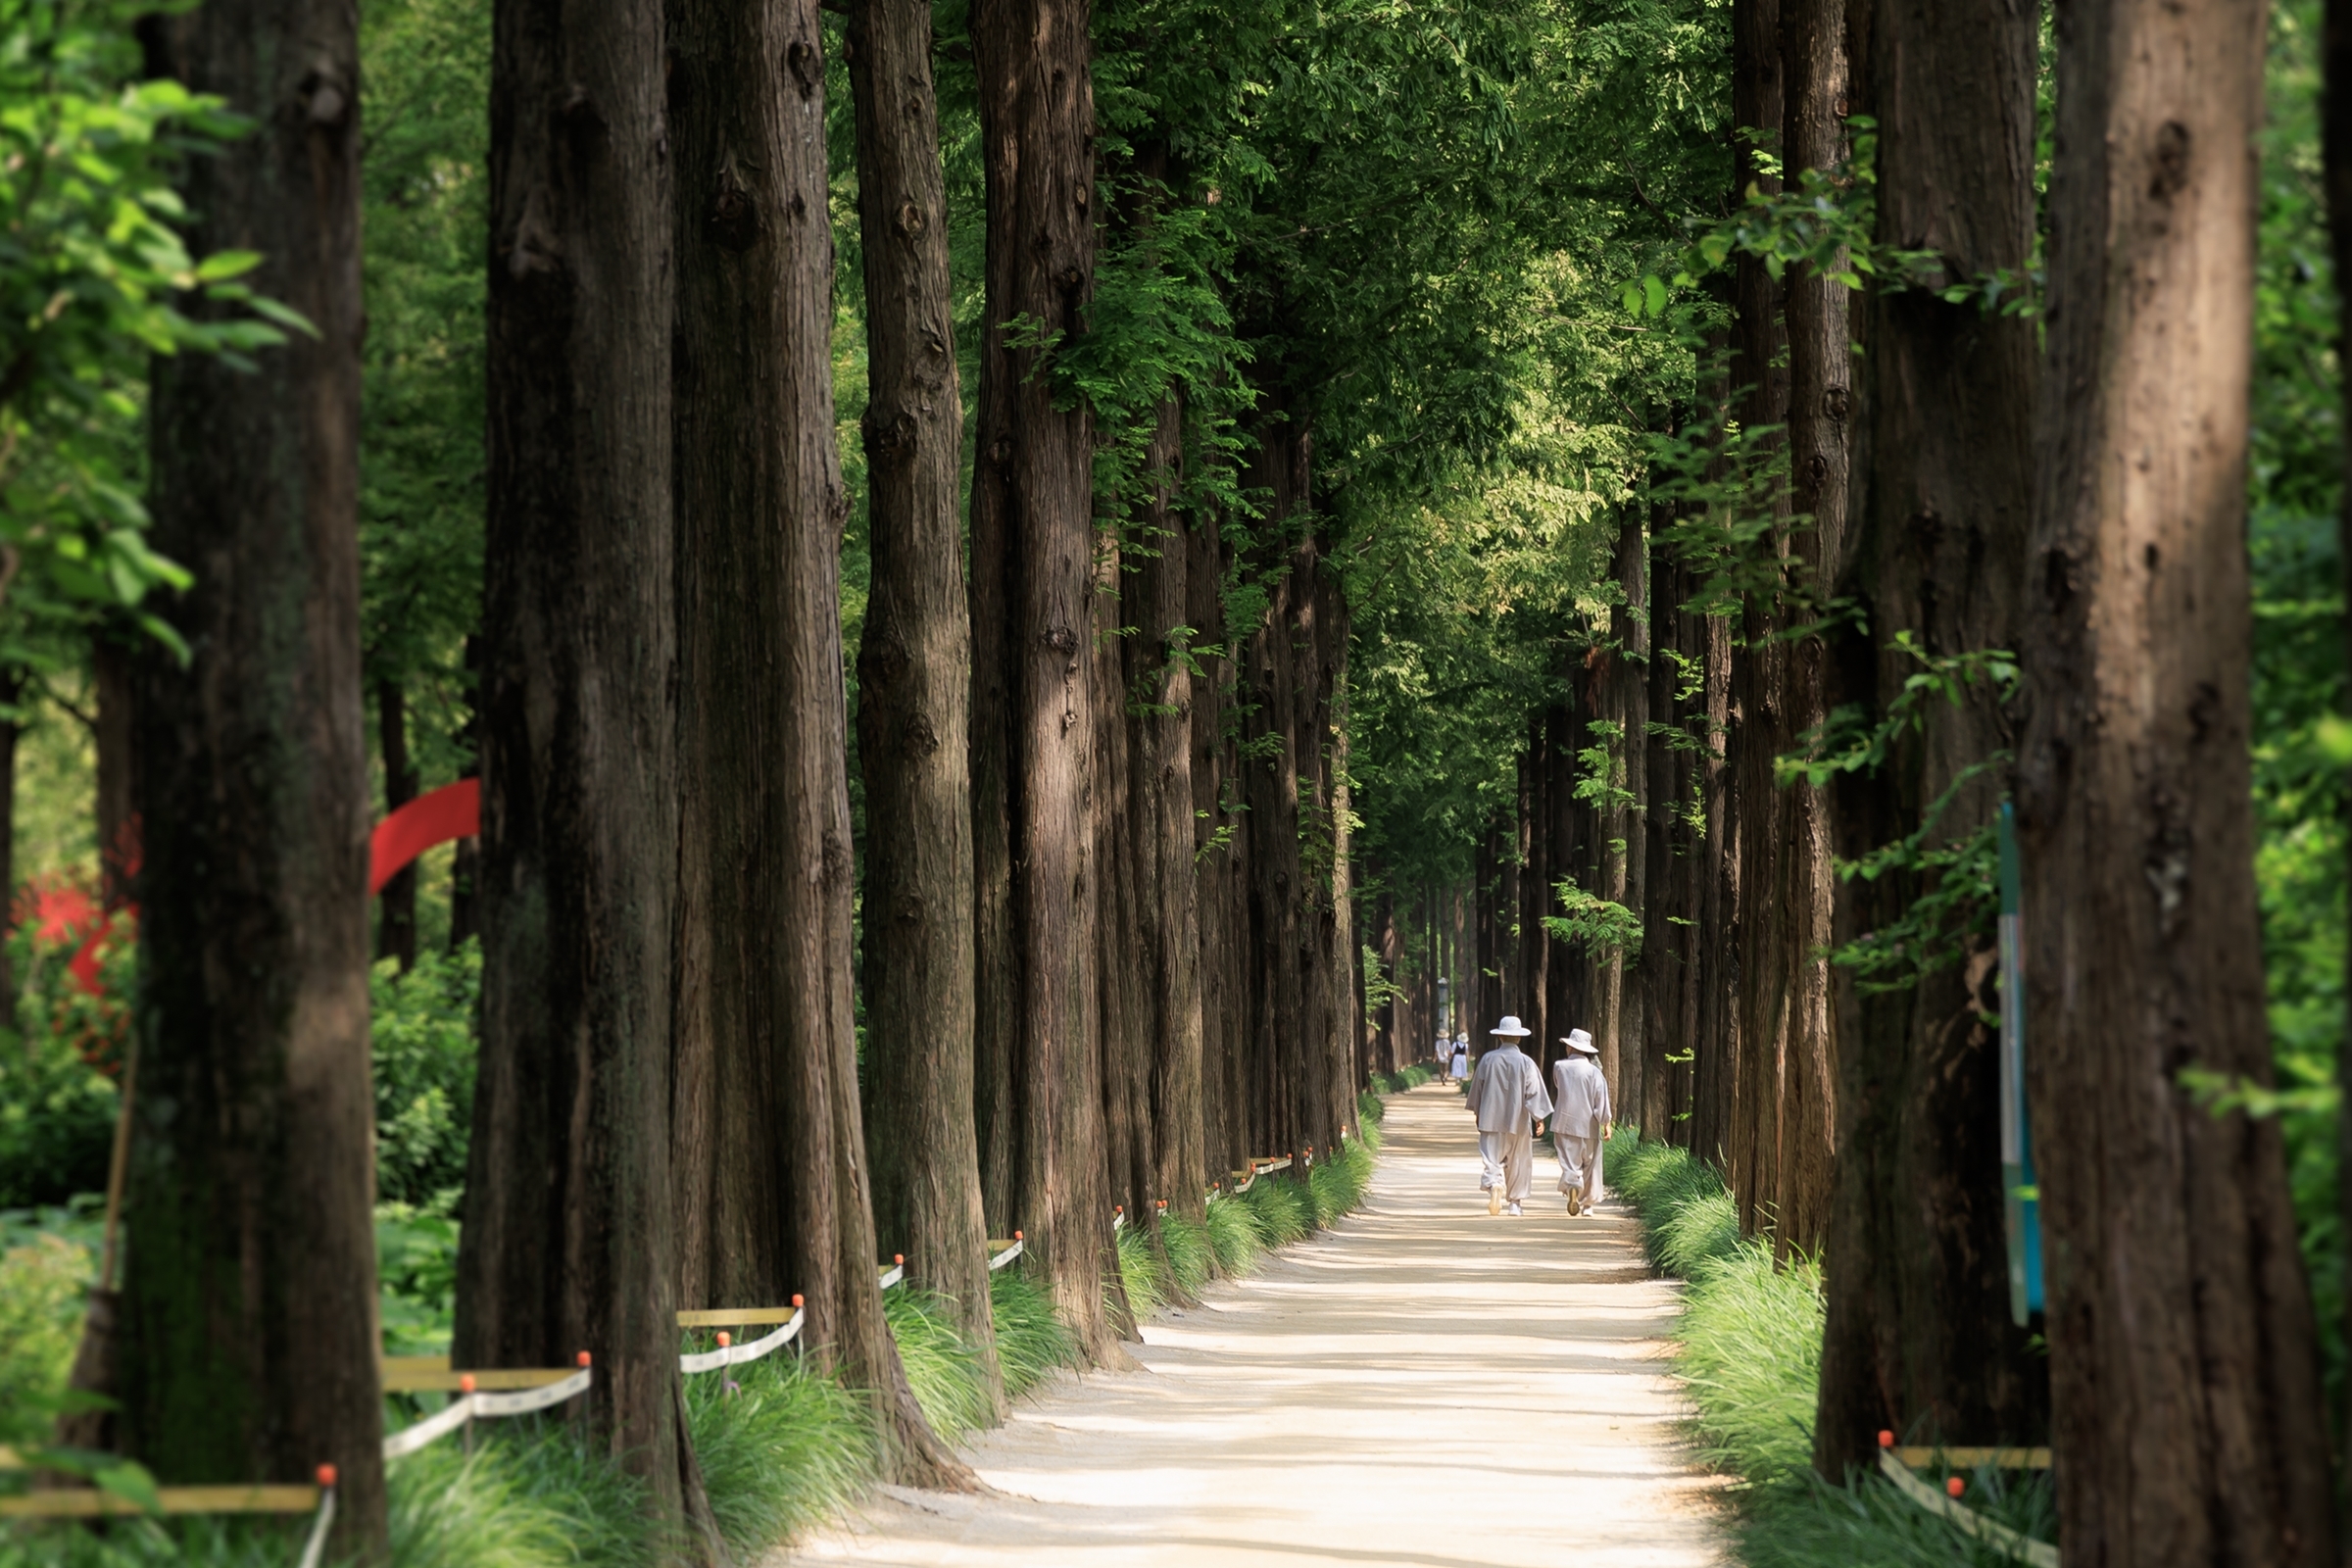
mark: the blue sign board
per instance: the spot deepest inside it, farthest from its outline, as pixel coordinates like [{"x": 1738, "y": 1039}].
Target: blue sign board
[{"x": 2016, "y": 1144}]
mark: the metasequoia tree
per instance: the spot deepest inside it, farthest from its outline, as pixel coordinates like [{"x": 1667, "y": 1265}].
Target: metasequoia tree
[
  {"x": 1919, "y": 1334},
  {"x": 247, "y": 1339},
  {"x": 915, "y": 687},
  {"x": 569, "y": 1242},
  {"x": 2186, "y": 1409},
  {"x": 769, "y": 1141},
  {"x": 1037, "y": 873},
  {"x": 2336, "y": 146}
]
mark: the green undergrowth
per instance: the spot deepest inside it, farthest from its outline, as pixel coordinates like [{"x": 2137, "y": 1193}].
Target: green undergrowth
[
  {"x": 780, "y": 1448},
  {"x": 1751, "y": 1357}
]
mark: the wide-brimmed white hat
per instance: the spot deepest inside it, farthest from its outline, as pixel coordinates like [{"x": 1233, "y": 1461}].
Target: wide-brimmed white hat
[
  {"x": 1581, "y": 1040},
  {"x": 1511, "y": 1026}
]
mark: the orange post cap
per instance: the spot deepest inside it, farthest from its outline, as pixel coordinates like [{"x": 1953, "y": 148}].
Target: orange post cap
[
  {"x": 1886, "y": 1439},
  {"x": 1954, "y": 1487},
  {"x": 326, "y": 1475},
  {"x": 464, "y": 1383},
  {"x": 582, "y": 1358},
  {"x": 795, "y": 1303},
  {"x": 898, "y": 1258}
]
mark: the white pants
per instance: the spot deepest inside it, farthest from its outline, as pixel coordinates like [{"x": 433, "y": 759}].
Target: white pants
[
  {"x": 1579, "y": 1162},
  {"x": 1509, "y": 1161}
]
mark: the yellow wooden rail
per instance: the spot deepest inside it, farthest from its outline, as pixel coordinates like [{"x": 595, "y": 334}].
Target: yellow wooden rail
[
  {"x": 727, "y": 1317},
  {"x": 431, "y": 1374},
  {"x": 1971, "y": 1458},
  {"x": 84, "y": 1502}
]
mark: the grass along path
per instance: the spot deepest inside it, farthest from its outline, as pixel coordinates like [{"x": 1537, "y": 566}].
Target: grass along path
[{"x": 1418, "y": 1385}]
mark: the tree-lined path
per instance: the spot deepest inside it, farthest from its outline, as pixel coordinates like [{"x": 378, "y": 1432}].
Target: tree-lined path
[{"x": 1419, "y": 1385}]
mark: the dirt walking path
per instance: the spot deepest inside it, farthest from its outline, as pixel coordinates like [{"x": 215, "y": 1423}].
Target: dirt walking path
[{"x": 1420, "y": 1385}]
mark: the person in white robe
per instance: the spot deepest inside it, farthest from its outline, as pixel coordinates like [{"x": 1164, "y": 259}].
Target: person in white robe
[
  {"x": 1507, "y": 1095},
  {"x": 1461, "y": 1070},
  {"x": 1581, "y": 1119}
]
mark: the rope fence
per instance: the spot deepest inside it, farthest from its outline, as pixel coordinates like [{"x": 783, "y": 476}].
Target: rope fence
[{"x": 1895, "y": 1465}]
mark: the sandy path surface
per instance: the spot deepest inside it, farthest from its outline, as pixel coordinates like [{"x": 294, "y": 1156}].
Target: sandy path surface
[{"x": 1419, "y": 1385}]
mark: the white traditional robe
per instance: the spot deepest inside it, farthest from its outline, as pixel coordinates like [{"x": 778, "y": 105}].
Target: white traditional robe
[
  {"x": 1507, "y": 1094},
  {"x": 1581, "y": 1096}
]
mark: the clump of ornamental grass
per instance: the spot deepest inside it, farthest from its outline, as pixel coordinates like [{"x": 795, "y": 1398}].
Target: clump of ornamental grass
[
  {"x": 1191, "y": 1256},
  {"x": 1751, "y": 1355},
  {"x": 945, "y": 1369},
  {"x": 1139, "y": 1273},
  {"x": 1234, "y": 1236},
  {"x": 1370, "y": 1107},
  {"x": 787, "y": 1448},
  {"x": 509, "y": 1505},
  {"x": 1282, "y": 1209},
  {"x": 1031, "y": 1340}
]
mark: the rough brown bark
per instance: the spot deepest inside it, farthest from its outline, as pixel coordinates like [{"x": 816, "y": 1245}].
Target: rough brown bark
[
  {"x": 396, "y": 907},
  {"x": 2186, "y": 1391},
  {"x": 247, "y": 1344},
  {"x": 772, "y": 1169},
  {"x": 569, "y": 1242},
  {"x": 1564, "y": 1000},
  {"x": 1716, "y": 1043},
  {"x": 1761, "y": 377},
  {"x": 1919, "y": 1336},
  {"x": 1038, "y": 875},
  {"x": 1160, "y": 675},
  {"x": 1629, "y": 864},
  {"x": 913, "y": 689}
]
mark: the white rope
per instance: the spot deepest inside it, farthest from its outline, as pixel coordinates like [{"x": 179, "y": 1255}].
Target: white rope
[
  {"x": 738, "y": 1354},
  {"x": 465, "y": 1408},
  {"x": 891, "y": 1275},
  {"x": 1007, "y": 1256},
  {"x": 314, "y": 1549},
  {"x": 2025, "y": 1548}
]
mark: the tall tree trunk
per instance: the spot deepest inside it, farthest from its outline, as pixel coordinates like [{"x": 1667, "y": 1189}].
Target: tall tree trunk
[
  {"x": 1716, "y": 1043},
  {"x": 1212, "y": 846},
  {"x": 1534, "y": 889},
  {"x": 1628, "y": 704},
  {"x": 771, "y": 1163},
  {"x": 1820, "y": 400},
  {"x": 2185, "y": 1377},
  {"x": 1563, "y": 974},
  {"x": 396, "y": 910},
  {"x": 1919, "y": 1335},
  {"x": 1039, "y": 874},
  {"x": 1125, "y": 931},
  {"x": 913, "y": 690},
  {"x": 1165, "y": 827},
  {"x": 1666, "y": 861},
  {"x": 465, "y": 860},
  {"x": 247, "y": 1344},
  {"x": 569, "y": 1242},
  {"x": 1760, "y": 378}
]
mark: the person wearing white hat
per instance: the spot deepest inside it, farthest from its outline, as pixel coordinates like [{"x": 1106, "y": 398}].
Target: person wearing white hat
[
  {"x": 1459, "y": 1068},
  {"x": 1507, "y": 1094},
  {"x": 1581, "y": 1125}
]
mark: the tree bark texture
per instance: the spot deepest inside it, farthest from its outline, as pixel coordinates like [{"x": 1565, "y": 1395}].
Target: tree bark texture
[
  {"x": 913, "y": 689},
  {"x": 773, "y": 1170},
  {"x": 1033, "y": 582},
  {"x": 2185, "y": 1392},
  {"x": 568, "y": 1241},
  {"x": 248, "y": 1346},
  {"x": 1919, "y": 1335}
]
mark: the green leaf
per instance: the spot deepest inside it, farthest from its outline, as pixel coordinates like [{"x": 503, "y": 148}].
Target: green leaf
[
  {"x": 129, "y": 1480},
  {"x": 1653, "y": 294},
  {"x": 221, "y": 265}
]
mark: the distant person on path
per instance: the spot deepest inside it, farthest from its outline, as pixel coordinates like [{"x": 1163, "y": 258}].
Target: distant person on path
[
  {"x": 1507, "y": 1094},
  {"x": 1461, "y": 1058},
  {"x": 1582, "y": 1119}
]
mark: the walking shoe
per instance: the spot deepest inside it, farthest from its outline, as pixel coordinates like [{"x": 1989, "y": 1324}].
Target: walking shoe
[
  {"x": 1576, "y": 1199},
  {"x": 1515, "y": 1212},
  {"x": 1494, "y": 1202}
]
